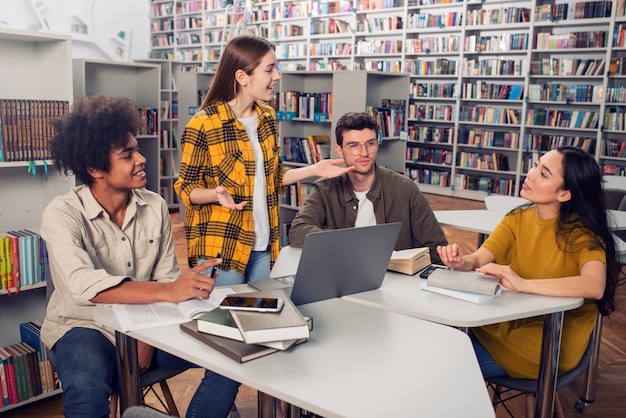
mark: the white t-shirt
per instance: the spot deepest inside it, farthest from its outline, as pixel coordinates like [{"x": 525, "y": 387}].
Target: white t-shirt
[
  {"x": 259, "y": 203},
  {"x": 365, "y": 214}
]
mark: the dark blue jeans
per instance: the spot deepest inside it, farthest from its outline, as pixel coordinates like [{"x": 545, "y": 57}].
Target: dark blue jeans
[
  {"x": 86, "y": 362},
  {"x": 488, "y": 365}
]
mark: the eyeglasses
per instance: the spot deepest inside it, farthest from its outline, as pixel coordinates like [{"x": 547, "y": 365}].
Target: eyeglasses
[{"x": 355, "y": 149}]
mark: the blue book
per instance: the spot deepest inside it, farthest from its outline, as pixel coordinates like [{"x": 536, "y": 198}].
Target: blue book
[
  {"x": 30, "y": 335},
  {"x": 516, "y": 92},
  {"x": 37, "y": 246}
]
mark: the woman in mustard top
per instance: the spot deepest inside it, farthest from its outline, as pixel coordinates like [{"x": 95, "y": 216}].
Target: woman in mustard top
[{"x": 559, "y": 246}]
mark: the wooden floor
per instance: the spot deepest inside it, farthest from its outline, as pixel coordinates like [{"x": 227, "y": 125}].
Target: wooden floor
[{"x": 610, "y": 394}]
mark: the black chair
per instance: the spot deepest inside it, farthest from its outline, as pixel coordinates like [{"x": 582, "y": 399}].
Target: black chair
[
  {"x": 506, "y": 388},
  {"x": 613, "y": 197}
]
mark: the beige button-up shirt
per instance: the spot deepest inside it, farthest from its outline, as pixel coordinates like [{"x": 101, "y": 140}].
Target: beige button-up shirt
[{"x": 88, "y": 253}]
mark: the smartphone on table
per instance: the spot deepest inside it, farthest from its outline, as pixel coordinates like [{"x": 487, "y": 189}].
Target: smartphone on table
[
  {"x": 245, "y": 303},
  {"x": 428, "y": 270}
]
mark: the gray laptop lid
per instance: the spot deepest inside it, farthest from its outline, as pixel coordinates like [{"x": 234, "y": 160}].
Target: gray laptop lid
[{"x": 341, "y": 262}]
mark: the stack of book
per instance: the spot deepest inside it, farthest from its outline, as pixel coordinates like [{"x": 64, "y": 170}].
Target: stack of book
[
  {"x": 244, "y": 336},
  {"x": 409, "y": 261},
  {"x": 465, "y": 285}
]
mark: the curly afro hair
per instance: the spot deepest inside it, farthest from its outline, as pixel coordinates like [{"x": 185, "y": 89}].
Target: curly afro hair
[{"x": 85, "y": 136}]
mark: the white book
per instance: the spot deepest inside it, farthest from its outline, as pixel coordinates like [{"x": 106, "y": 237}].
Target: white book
[
  {"x": 459, "y": 294},
  {"x": 138, "y": 316}
]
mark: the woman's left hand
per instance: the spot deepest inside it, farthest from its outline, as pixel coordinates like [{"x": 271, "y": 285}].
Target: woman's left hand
[
  {"x": 330, "y": 168},
  {"x": 508, "y": 278}
]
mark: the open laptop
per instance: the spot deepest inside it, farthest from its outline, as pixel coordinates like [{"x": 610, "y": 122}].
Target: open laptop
[{"x": 338, "y": 262}]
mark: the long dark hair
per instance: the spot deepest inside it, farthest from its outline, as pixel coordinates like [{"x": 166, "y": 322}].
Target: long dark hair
[
  {"x": 243, "y": 52},
  {"x": 583, "y": 178}
]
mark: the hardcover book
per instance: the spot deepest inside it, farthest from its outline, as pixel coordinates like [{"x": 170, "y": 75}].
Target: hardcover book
[
  {"x": 468, "y": 281},
  {"x": 220, "y": 322},
  {"x": 261, "y": 327},
  {"x": 236, "y": 350}
]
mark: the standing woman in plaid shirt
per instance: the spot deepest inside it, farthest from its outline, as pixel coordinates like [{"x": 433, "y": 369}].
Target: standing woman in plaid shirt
[{"x": 231, "y": 173}]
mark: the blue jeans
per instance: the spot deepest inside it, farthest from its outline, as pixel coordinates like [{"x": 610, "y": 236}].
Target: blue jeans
[
  {"x": 258, "y": 268},
  {"x": 86, "y": 363},
  {"x": 488, "y": 365}
]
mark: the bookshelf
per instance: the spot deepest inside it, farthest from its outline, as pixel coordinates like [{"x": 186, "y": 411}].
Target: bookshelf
[
  {"x": 36, "y": 66},
  {"x": 169, "y": 137},
  {"x": 309, "y": 102},
  {"x": 470, "y": 130},
  {"x": 139, "y": 82},
  {"x": 192, "y": 87}
]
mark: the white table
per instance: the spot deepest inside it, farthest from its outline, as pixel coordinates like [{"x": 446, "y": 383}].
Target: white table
[
  {"x": 484, "y": 221},
  {"x": 359, "y": 362},
  {"x": 402, "y": 294}
]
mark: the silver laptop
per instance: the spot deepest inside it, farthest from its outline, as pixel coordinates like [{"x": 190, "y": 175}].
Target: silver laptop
[{"x": 339, "y": 262}]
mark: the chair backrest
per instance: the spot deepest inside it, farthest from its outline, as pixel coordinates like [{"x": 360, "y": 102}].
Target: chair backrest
[{"x": 614, "y": 197}]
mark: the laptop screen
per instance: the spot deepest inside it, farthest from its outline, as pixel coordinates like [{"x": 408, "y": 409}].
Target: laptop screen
[{"x": 340, "y": 262}]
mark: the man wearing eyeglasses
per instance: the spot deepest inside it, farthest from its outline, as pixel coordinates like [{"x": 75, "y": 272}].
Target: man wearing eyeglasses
[{"x": 368, "y": 194}]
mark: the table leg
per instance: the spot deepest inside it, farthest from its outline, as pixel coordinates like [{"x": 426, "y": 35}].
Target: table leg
[
  {"x": 548, "y": 366},
  {"x": 130, "y": 392},
  {"x": 266, "y": 405},
  {"x": 587, "y": 395}
]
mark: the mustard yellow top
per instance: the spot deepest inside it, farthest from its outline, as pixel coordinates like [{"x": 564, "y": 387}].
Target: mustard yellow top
[{"x": 528, "y": 244}]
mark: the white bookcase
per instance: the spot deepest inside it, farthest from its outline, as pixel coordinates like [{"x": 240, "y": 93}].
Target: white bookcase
[
  {"x": 35, "y": 66},
  {"x": 352, "y": 91},
  {"x": 193, "y": 87},
  {"x": 458, "y": 55},
  {"x": 169, "y": 138},
  {"x": 139, "y": 82}
]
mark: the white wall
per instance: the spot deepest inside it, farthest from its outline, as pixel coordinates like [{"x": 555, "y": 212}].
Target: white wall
[{"x": 104, "y": 18}]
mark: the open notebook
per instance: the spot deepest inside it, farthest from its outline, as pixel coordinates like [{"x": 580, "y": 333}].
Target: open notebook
[{"x": 337, "y": 262}]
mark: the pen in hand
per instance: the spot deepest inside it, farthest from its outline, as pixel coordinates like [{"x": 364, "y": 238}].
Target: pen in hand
[{"x": 214, "y": 269}]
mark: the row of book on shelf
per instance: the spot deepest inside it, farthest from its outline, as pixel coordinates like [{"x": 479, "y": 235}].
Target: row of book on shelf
[
  {"x": 567, "y": 66},
  {"x": 304, "y": 104},
  {"x": 573, "y": 10},
  {"x": 296, "y": 194},
  {"x": 306, "y": 150},
  {"x": 23, "y": 259},
  {"x": 25, "y": 369},
  {"x": 461, "y": 181},
  {"x": 561, "y": 92},
  {"x": 580, "y": 119},
  {"x": 26, "y": 128},
  {"x": 390, "y": 117},
  {"x": 483, "y": 161}
]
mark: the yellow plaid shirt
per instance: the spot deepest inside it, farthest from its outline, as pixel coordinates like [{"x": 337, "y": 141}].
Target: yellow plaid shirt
[{"x": 216, "y": 151}]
